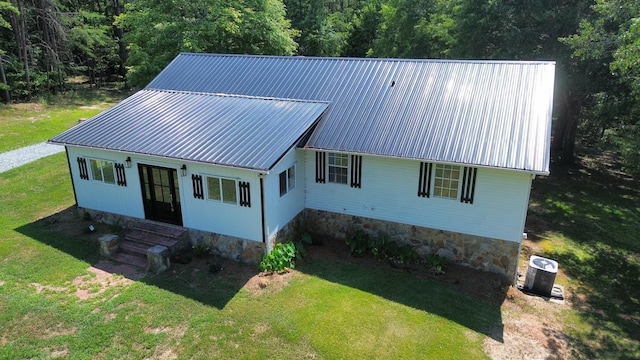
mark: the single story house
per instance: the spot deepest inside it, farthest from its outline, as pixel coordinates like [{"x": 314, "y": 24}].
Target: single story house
[{"x": 245, "y": 150}]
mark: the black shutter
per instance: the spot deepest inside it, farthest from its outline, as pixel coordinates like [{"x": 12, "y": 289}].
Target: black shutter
[
  {"x": 121, "y": 177},
  {"x": 320, "y": 167},
  {"x": 468, "y": 185},
  {"x": 245, "y": 193},
  {"x": 424, "y": 181},
  {"x": 198, "y": 193},
  {"x": 82, "y": 165},
  {"x": 356, "y": 171}
]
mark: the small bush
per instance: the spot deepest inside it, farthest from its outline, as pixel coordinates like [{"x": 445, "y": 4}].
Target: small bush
[
  {"x": 436, "y": 262},
  {"x": 280, "y": 258},
  {"x": 201, "y": 250},
  {"x": 283, "y": 255},
  {"x": 358, "y": 244},
  {"x": 381, "y": 248}
]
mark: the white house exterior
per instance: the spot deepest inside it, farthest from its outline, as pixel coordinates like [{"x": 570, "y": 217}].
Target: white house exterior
[{"x": 244, "y": 151}]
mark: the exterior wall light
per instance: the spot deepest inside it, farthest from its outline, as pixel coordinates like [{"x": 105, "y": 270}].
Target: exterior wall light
[
  {"x": 128, "y": 162},
  {"x": 183, "y": 170}
]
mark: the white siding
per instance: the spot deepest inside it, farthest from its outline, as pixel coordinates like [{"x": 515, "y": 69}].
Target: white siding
[
  {"x": 389, "y": 192},
  {"x": 201, "y": 214},
  {"x": 279, "y": 211},
  {"x": 232, "y": 220},
  {"x": 123, "y": 200}
]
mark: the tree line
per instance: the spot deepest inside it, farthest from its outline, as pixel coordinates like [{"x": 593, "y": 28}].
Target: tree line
[{"x": 595, "y": 43}]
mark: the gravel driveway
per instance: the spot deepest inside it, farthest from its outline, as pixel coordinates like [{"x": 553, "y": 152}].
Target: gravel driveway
[{"x": 14, "y": 158}]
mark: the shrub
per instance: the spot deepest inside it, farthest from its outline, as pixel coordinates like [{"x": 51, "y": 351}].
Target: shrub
[
  {"x": 283, "y": 255},
  {"x": 280, "y": 258},
  {"x": 436, "y": 262},
  {"x": 381, "y": 248},
  {"x": 201, "y": 250}
]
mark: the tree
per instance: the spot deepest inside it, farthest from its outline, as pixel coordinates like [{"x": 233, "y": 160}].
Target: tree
[
  {"x": 414, "y": 29},
  {"x": 607, "y": 43},
  {"x": 5, "y": 9},
  {"x": 157, "y": 30},
  {"x": 366, "y": 23}
]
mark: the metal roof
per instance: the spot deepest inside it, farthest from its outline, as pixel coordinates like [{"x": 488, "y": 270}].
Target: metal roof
[
  {"x": 228, "y": 130},
  {"x": 483, "y": 113}
]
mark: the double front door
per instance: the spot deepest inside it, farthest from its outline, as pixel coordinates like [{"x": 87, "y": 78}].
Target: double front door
[{"x": 160, "y": 194}]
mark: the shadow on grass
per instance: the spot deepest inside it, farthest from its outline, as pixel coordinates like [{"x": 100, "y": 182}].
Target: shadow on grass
[
  {"x": 596, "y": 207},
  {"x": 65, "y": 231},
  {"x": 413, "y": 288}
]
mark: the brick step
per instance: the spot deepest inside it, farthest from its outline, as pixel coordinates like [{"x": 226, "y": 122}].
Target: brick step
[
  {"x": 129, "y": 259},
  {"x": 150, "y": 238},
  {"x": 167, "y": 231},
  {"x": 134, "y": 248}
]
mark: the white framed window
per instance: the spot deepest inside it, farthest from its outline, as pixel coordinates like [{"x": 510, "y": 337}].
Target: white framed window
[
  {"x": 446, "y": 182},
  {"x": 103, "y": 171},
  {"x": 287, "y": 180},
  {"x": 338, "y": 168},
  {"x": 222, "y": 189}
]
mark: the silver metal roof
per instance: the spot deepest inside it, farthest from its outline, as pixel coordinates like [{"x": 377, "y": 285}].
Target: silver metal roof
[
  {"x": 229, "y": 130},
  {"x": 484, "y": 113}
]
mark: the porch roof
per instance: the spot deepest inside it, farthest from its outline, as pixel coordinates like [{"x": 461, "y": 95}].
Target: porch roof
[{"x": 229, "y": 130}]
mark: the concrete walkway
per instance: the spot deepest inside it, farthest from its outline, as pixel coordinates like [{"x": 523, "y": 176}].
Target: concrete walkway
[{"x": 14, "y": 158}]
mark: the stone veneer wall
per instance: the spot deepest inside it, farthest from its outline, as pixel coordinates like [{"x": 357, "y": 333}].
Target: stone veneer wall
[
  {"x": 478, "y": 252},
  {"x": 230, "y": 247}
]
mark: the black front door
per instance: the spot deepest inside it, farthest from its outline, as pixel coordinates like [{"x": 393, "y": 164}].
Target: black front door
[{"x": 160, "y": 194}]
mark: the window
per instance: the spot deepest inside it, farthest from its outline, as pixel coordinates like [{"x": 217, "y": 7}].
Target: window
[
  {"x": 338, "y": 168},
  {"x": 221, "y": 189},
  {"x": 446, "y": 181},
  {"x": 287, "y": 180},
  {"x": 102, "y": 170}
]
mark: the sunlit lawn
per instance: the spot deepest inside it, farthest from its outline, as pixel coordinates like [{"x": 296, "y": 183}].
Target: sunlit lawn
[{"x": 30, "y": 123}]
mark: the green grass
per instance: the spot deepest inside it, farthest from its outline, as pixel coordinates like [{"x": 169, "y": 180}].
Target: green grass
[
  {"x": 329, "y": 309},
  {"x": 593, "y": 228},
  {"x": 27, "y": 124}
]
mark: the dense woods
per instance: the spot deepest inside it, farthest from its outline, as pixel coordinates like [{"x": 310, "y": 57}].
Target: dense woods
[{"x": 596, "y": 44}]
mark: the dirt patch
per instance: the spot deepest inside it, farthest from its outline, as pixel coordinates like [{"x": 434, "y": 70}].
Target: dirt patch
[
  {"x": 268, "y": 282},
  {"x": 89, "y": 286},
  {"x": 59, "y": 330}
]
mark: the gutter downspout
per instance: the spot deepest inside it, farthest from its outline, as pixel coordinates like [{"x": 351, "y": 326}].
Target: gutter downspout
[
  {"x": 73, "y": 183},
  {"x": 262, "y": 212}
]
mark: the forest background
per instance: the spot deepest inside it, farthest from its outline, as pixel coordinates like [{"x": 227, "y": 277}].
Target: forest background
[{"x": 595, "y": 44}]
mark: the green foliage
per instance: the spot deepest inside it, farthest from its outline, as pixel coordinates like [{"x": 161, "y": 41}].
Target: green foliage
[
  {"x": 436, "y": 262},
  {"x": 156, "y": 31},
  {"x": 282, "y": 257},
  {"x": 381, "y": 248},
  {"x": 201, "y": 250}
]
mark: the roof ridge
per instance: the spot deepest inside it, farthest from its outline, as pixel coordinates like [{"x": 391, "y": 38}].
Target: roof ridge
[
  {"x": 355, "y": 59},
  {"x": 204, "y": 93}
]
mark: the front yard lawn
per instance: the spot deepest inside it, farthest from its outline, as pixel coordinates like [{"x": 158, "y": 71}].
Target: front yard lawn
[{"x": 53, "y": 305}]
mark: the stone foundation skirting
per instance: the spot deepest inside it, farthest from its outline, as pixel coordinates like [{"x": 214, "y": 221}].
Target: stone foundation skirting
[
  {"x": 478, "y": 252},
  {"x": 229, "y": 247}
]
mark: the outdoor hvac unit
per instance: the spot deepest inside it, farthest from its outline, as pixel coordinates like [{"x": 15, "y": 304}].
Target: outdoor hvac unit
[{"x": 541, "y": 275}]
